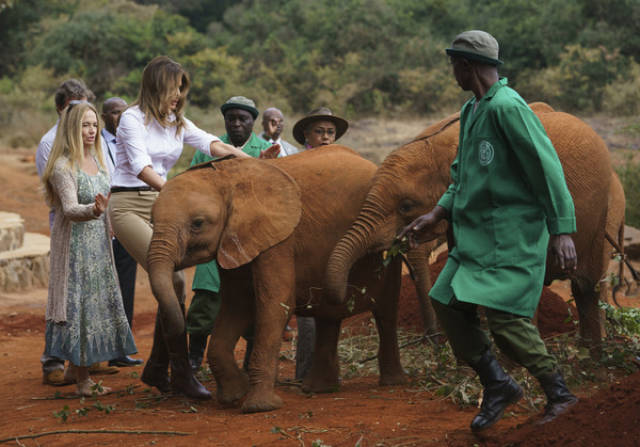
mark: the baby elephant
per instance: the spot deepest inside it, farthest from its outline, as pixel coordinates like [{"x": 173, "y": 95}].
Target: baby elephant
[{"x": 271, "y": 225}]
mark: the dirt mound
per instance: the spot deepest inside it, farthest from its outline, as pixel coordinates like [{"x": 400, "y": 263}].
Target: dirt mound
[{"x": 611, "y": 417}]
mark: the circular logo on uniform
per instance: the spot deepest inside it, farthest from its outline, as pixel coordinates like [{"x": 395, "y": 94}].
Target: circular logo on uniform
[{"x": 485, "y": 153}]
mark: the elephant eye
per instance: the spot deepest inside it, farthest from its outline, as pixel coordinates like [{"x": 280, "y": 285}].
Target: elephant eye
[
  {"x": 197, "y": 223},
  {"x": 406, "y": 206}
]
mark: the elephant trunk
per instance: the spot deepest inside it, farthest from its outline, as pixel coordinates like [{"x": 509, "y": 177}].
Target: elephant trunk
[
  {"x": 355, "y": 243},
  {"x": 161, "y": 262}
]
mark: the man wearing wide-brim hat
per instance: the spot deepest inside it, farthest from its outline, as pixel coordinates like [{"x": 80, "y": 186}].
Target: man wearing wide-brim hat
[
  {"x": 319, "y": 127},
  {"x": 508, "y": 203}
]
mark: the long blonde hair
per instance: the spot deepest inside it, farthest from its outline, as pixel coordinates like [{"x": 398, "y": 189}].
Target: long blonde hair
[
  {"x": 160, "y": 78},
  {"x": 68, "y": 143}
]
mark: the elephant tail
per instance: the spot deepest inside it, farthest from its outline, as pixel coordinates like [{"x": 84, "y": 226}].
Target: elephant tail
[{"x": 619, "y": 247}]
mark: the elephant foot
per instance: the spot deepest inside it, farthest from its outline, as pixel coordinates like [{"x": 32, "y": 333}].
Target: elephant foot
[
  {"x": 157, "y": 377},
  {"x": 320, "y": 385},
  {"x": 393, "y": 379},
  {"x": 189, "y": 386},
  {"x": 263, "y": 401},
  {"x": 230, "y": 392}
]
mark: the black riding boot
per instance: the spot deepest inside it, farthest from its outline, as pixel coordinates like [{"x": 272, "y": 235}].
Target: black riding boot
[
  {"x": 500, "y": 390},
  {"x": 197, "y": 346},
  {"x": 156, "y": 370},
  {"x": 182, "y": 378},
  {"x": 559, "y": 398}
]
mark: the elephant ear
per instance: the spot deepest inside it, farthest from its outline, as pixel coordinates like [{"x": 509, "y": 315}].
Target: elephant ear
[{"x": 264, "y": 209}]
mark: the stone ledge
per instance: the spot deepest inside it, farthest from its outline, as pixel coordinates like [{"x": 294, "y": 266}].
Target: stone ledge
[
  {"x": 11, "y": 231},
  {"x": 26, "y": 267}
]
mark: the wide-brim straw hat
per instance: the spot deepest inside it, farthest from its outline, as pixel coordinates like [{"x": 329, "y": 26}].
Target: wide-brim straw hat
[{"x": 321, "y": 114}]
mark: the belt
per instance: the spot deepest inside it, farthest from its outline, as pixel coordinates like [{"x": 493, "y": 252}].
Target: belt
[{"x": 131, "y": 188}]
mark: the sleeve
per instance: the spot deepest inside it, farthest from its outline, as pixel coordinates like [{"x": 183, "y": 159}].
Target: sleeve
[
  {"x": 198, "y": 138},
  {"x": 446, "y": 201},
  {"x": 541, "y": 165},
  {"x": 64, "y": 186},
  {"x": 131, "y": 135},
  {"x": 42, "y": 155}
]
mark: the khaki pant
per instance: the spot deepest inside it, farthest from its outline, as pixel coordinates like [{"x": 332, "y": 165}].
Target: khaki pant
[{"x": 130, "y": 214}]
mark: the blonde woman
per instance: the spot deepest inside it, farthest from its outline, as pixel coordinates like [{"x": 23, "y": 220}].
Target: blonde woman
[
  {"x": 150, "y": 138},
  {"x": 86, "y": 322}
]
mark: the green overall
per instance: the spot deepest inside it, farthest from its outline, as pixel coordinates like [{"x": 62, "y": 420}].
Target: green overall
[{"x": 508, "y": 193}]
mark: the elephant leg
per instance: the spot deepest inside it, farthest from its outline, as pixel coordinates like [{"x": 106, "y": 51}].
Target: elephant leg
[
  {"x": 419, "y": 260},
  {"x": 324, "y": 376},
  {"x": 589, "y": 313},
  {"x": 236, "y": 315},
  {"x": 274, "y": 304},
  {"x": 155, "y": 373},
  {"x": 386, "y": 316}
]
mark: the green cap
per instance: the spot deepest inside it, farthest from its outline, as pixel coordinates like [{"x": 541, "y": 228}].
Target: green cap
[
  {"x": 240, "y": 102},
  {"x": 476, "y": 45}
]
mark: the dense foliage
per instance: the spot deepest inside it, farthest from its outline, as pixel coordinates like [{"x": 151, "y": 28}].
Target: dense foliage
[{"x": 358, "y": 56}]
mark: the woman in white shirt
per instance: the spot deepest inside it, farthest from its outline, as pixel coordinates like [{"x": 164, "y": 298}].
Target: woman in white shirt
[{"x": 150, "y": 138}]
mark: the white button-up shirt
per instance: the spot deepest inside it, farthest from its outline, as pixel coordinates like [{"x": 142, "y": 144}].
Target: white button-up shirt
[
  {"x": 44, "y": 149},
  {"x": 139, "y": 145}
]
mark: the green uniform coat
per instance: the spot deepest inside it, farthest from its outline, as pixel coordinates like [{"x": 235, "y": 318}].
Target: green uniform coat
[
  {"x": 508, "y": 193},
  {"x": 206, "y": 276}
]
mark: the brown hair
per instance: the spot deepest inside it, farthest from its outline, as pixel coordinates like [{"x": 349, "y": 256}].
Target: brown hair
[
  {"x": 160, "y": 78},
  {"x": 68, "y": 143},
  {"x": 72, "y": 89}
]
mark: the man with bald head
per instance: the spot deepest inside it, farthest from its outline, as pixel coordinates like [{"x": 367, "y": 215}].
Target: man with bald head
[
  {"x": 273, "y": 124},
  {"x": 126, "y": 266}
]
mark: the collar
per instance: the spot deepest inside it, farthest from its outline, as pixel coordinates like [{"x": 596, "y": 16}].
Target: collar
[
  {"x": 271, "y": 140},
  {"x": 108, "y": 135},
  {"x": 495, "y": 87}
]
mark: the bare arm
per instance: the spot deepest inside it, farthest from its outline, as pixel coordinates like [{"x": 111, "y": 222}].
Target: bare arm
[
  {"x": 220, "y": 149},
  {"x": 151, "y": 178},
  {"x": 421, "y": 229}
]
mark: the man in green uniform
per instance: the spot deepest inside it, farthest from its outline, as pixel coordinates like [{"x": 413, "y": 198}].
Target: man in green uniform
[
  {"x": 239, "y": 116},
  {"x": 508, "y": 195}
]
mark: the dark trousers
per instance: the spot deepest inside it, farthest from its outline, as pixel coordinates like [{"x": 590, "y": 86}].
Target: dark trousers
[
  {"x": 515, "y": 335},
  {"x": 126, "y": 267}
]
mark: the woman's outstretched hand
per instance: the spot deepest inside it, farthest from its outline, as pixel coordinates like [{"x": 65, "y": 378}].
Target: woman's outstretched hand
[{"x": 100, "y": 204}]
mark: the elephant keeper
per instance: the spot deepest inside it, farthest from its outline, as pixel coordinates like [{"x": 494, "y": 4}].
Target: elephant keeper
[{"x": 507, "y": 195}]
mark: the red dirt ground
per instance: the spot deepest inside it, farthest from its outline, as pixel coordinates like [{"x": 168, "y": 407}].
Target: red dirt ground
[{"x": 361, "y": 413}]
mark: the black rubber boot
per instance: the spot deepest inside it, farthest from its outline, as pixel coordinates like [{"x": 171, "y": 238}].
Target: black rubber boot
[
  {"x": 559, "y": 398},
  {"x": 182, "y": 379},
  {"x": 500, "y": 391},
  {"x": 156, "y": 370},
  {"x": 197, "y": 346}
]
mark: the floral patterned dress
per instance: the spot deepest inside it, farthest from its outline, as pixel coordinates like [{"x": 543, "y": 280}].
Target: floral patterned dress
[{"x": 96, "y": 329}]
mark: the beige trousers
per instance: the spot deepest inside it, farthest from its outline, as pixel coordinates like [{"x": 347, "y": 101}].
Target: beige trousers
[{"x": 130, "y": 214}]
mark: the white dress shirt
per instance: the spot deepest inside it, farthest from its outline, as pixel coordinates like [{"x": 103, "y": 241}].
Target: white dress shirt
[
  {"x": 139, "y": 145},
  {"x": 44, "y": 149}
]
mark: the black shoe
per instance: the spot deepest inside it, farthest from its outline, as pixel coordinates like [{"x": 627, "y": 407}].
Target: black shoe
[
  {"x": 125, "y": 361},
  {"x": 559, "y": 398},
  {"x": 500, "y": 391}
]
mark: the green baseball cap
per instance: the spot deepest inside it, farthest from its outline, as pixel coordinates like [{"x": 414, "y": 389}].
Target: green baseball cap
[
  {"x": 476, "y": 45},
  {"x": 240, "y": 102}
]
